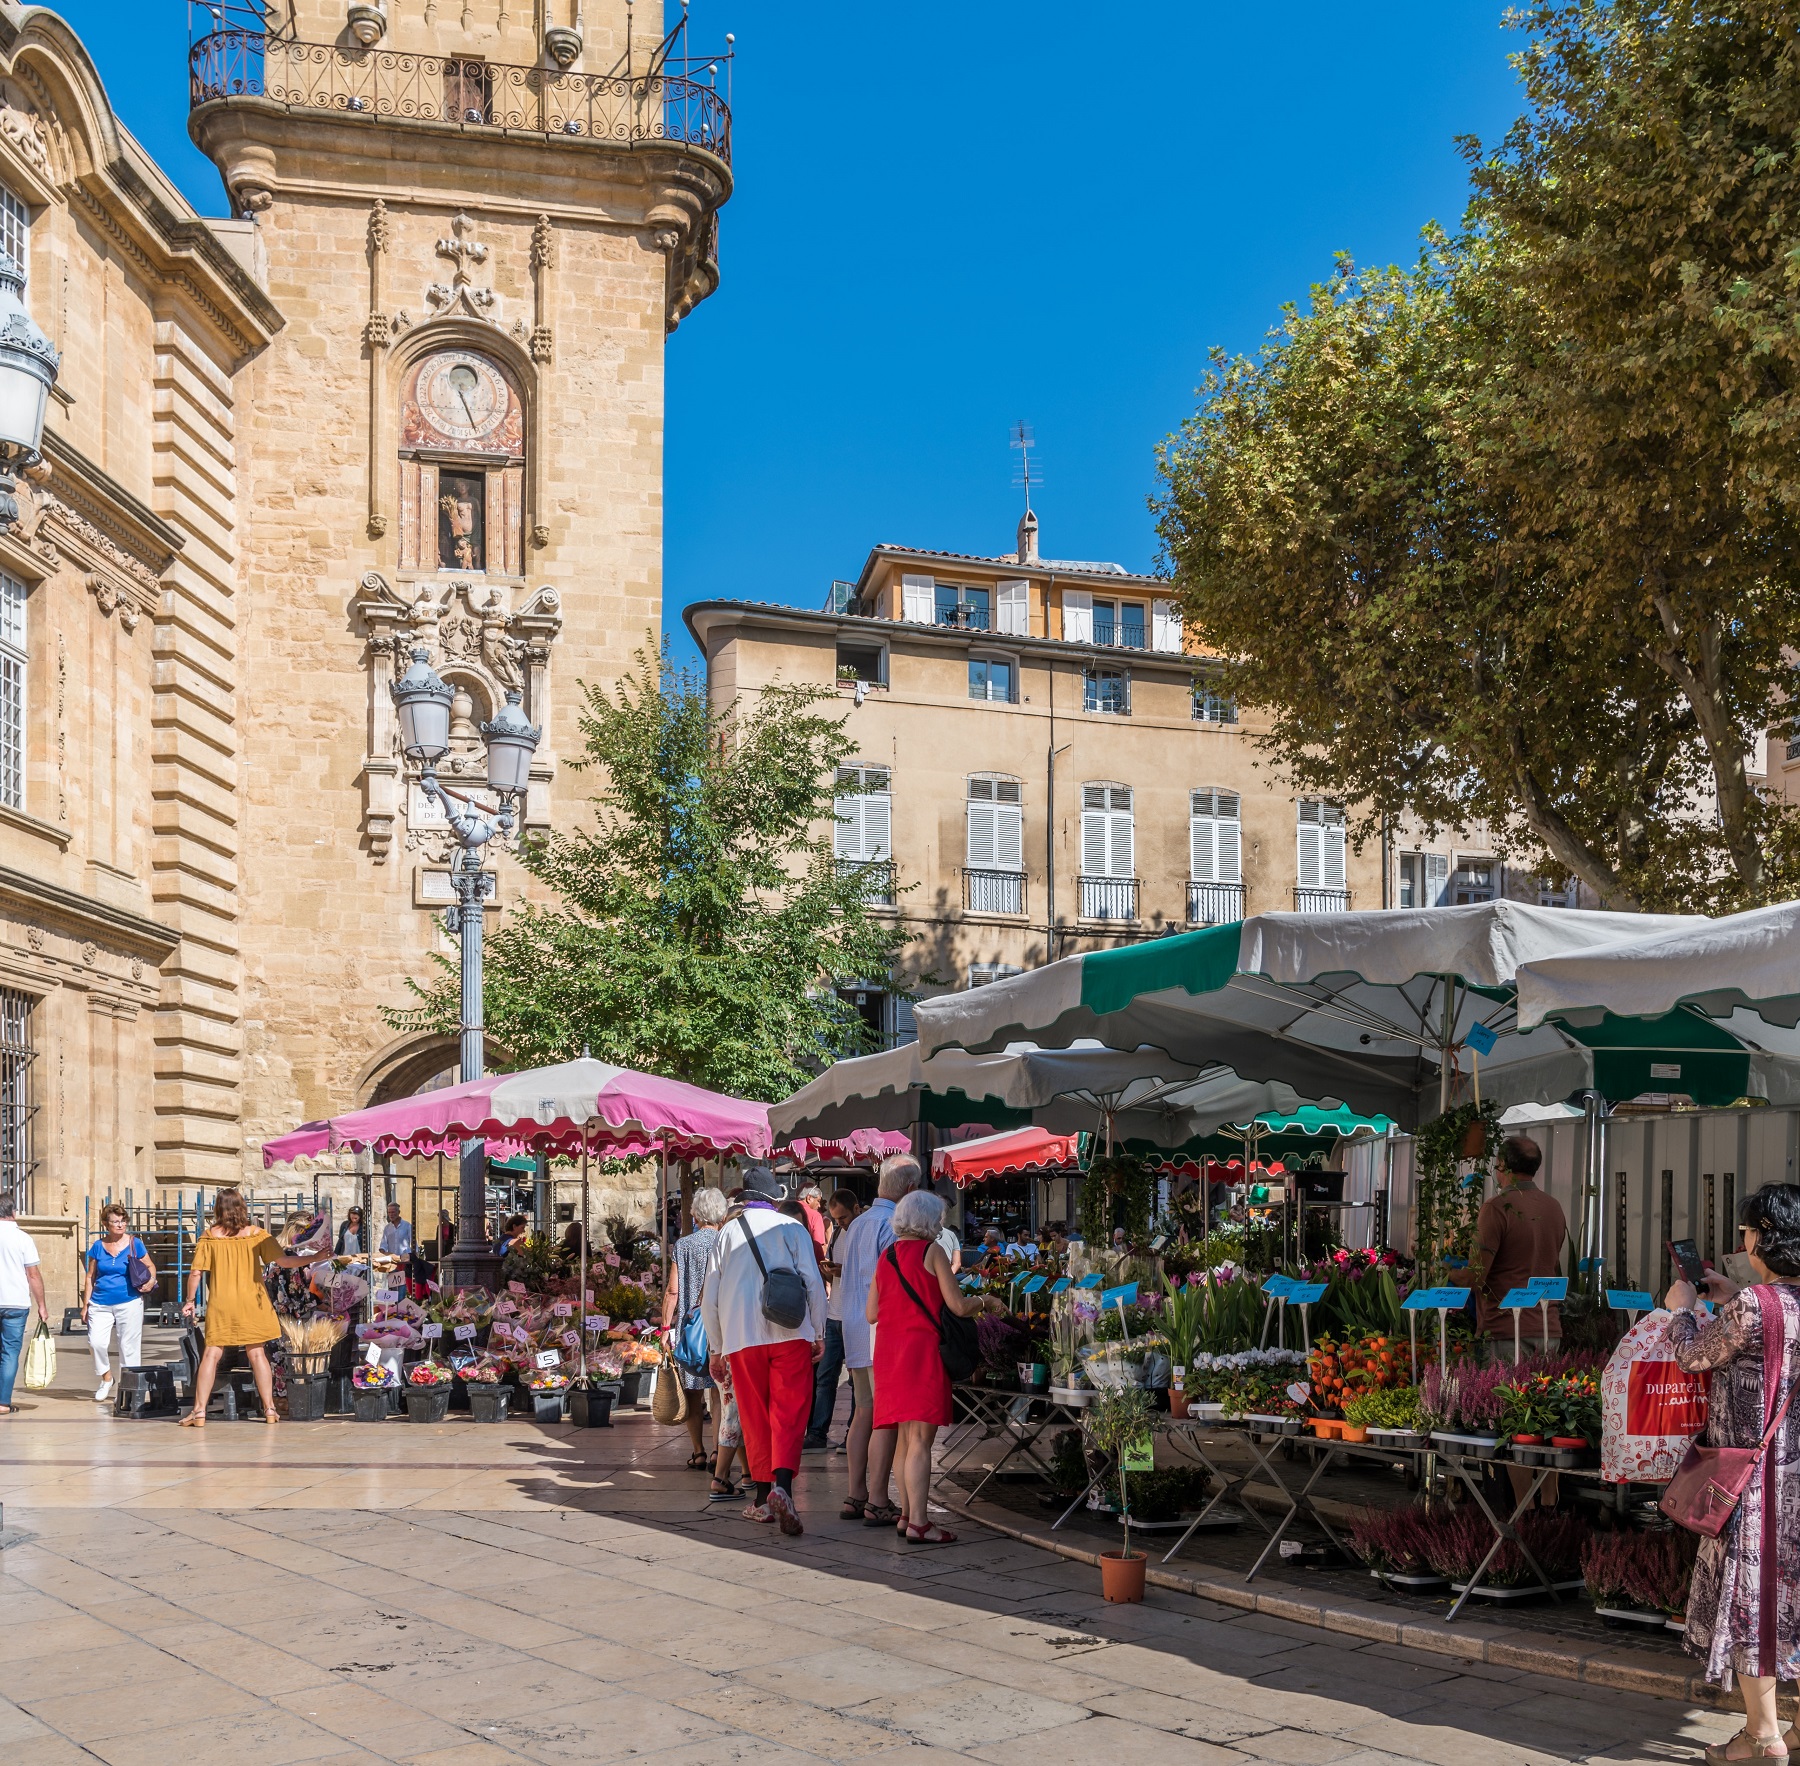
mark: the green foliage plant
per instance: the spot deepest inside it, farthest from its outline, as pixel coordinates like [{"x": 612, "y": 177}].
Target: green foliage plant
[
  {"x": 1116, "y": 1190},
  {"x": 1446, "y": 1198},
  {"x": 1118, "y": 1417}
]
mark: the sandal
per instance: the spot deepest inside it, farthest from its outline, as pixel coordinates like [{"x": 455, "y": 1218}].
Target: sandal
[
  {"x": 1762, "y": 1747},
  {"x": 930, "y": 1536},
  {"x": 698, "y": 1462},
  {"x": 853, "y": 1509},
  {"x": 880, "y": 1514},
  {"x": 193, "y": 1420},
  {"x": 723, "y": 1487}
]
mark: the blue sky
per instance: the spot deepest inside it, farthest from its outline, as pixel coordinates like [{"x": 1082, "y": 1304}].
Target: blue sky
[{"x": 948, "y": 219}]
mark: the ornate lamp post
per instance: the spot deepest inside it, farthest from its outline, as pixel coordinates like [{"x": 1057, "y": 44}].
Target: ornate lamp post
[
  {"x": 28, "y": 365},
  {"x": 422, "y": 705}
]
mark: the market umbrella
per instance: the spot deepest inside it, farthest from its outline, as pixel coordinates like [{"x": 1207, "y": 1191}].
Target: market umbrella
[
  {"x": 1019, "y": 1149},
  {"x": 1368, "y": 1009},
  {"x": 859, "y": 1143}
]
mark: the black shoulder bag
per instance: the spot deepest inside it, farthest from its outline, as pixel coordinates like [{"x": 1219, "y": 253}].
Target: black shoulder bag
[
  {"x": 958, "y": 1345},
  {"x": 784, "y": 1296}
]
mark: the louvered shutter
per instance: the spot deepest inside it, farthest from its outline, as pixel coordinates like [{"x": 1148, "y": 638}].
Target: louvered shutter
[
  {"x": 1121, "y": 854},
  {"x": 981, "y": 837},
  {"x": 918, "y": 597},
  {"x": 848, "y": 841},
  {"x": 1202, "y": 856},
  {"x": 1332, "y": 854},
  {"x": 1009, "y": 837},
  {"x": 1311, "y": 851},
  {"x": 1078, "y": 616},
  {"x": 1165, "y": 626},
  {"x": 1231, "y": 861},
  {"x": 1012, "y": 609},
  {"x": 877, "y": 829},
  {"x": 1093, "y": 843},
  {"x": 1437, "y": 879}
]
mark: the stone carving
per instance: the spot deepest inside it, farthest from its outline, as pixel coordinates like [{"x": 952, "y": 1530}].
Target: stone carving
[
  {"x": 24, "y": 131},
  {"x": 466, "y": 253},
  {"x": 90, "y": 953},
  {"x": 34, "y": 936},
  {"x": 137, "y": 968},
  {"x": 112, "y": 598},
  {"x": 51, "y": 509}
]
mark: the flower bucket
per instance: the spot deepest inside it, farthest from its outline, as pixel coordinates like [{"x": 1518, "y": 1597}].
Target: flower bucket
[
  {"x": 307, "y": 1398},
  {"x": 630, "y": 1385},
  {"x": 488, "y": 1403},
  {"x": 590, "y": 1407},
  {"x": 547, "y": 1406},
  {"x": 372, "y": 1405},
  {"x": 1122, "y": 1577},
  {"x": 427, "y": 1404}
]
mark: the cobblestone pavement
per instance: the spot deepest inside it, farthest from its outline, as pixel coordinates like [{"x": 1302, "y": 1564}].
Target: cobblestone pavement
[{"x": 454, "y": 1596}]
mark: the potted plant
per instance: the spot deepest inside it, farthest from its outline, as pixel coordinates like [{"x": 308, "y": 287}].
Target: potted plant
[
  {"x": 428, "y": 1392},
  {"x": 1002, "y": 1343},
  {"x": 373, "y": 1388},
  {"x": 1394, "y": 1545},
  {"x": 1116, "y": 1422},
  {"x": 1184, "y": 1311},
  {"x": 489, "y": 1397},
  {"x": 1389, "y": 1413},
  {"x": 590, "y": 1404}
]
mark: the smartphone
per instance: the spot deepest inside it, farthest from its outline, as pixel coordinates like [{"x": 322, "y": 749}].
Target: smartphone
[{"x": 1687, "y": 1259}]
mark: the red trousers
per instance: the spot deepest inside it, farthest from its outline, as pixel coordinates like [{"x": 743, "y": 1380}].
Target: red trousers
[{"x": 773, "y": 1386}]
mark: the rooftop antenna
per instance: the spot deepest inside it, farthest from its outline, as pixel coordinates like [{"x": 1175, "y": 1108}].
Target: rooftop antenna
[{"x": 1025, "y": 441}]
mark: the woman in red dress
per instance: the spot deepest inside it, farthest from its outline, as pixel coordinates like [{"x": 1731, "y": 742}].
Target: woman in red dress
[{"x": 912, "y": 1391}]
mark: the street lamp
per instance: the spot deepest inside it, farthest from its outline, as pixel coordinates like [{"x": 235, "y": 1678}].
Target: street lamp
[
  {"x": 28, "y": 365},
  {"x": 422, "y": 705}
]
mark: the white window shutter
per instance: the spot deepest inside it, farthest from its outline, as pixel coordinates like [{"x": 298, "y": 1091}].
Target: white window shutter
[
  {"x": 1332, "y": 868},
  {"x": 1437, "y": 879},
  {"x": 1310, "y": 855},
  {"x": 1012, "y": 609},
  {"x": 877, "y": 831},
  {"x": 1009, "y": 837},
  {"x": 848, "y": 840},
  {"x": 1078, "y": 616},
  {"x": 918, "y": 599},
  {"x": 1231, "y": 862},
  {"x": 1093, "y": 843},
  {"x": 1165, "y": 626},
  {"x": 981, "y": 837}
]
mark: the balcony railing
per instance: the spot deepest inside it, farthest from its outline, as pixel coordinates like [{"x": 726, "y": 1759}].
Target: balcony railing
[
  {"x": 966, "y": 619},
  {"x": 1109, "y": 898},
  {"x": 1215, "y": 904},
  {"x": 460, "y": 92},
  {"x": 994, "y": 892},
  {"x": 1118, "y": 635},
  {"x": 1321, "y": 901},
  {"x": 880, "y": 873}
]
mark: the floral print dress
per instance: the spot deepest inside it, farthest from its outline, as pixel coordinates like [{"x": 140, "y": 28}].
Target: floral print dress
[{"x": 1743, "y": 1614}]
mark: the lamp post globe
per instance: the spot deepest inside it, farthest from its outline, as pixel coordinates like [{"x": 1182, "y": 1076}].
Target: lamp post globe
[
  {"x": 422, "y": 704},
  {"x": 511, "y": 741},
  {"x": 28, "y": 365}
]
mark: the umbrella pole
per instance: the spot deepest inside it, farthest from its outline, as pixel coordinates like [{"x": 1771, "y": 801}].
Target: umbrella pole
[
  {"x": 662, "y": 1201},
  {"x": 584, "y": 1262}
]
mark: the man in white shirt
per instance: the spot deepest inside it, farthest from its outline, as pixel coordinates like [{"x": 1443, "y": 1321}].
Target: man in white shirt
[
  {"x": 21, "y": 1289},
  {"x": 771, "y": 1364},
  {"x": 870, "y": 1451},
  {"x": 396, "y": 1236}
]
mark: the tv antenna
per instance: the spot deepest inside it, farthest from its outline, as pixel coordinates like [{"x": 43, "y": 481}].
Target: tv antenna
[{"x": 1025, "y": 475}]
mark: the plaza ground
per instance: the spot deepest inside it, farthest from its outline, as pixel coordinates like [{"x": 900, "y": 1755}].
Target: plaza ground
[{"x": 457, "y": 1596}]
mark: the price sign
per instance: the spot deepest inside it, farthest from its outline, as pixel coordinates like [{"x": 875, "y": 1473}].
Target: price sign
[
  {"x": 1549, "y": 1287},
  {"x": 1518, "y": 1300},
  {"x": 464, "y": 1333},
  {"x": 1091, "y": 1281},
  {"x": 1306, "y": 1293},
  {"x": 372, "y": 1355},
  {"x": 1479, "y": 1038},
  {"x": 1631, "y": 1299},
  {"x": 1420, "y": 1300},
  {"x": 1139, "y": 1455},
  {"x": 1276, "y": 1287},
  {"x": 1032, "y": 1286},
  {"x": 1124, "y": 1295},
  {"x": 549, "y": 1358},
  {"x": 563, "y": 1309},
  {"x": 431, "y": 1332},
  {"x": 515, "y": 1287},
  {"x": 570, "y": 1340},
  {"x": 1059, "y": 1285},
  {"x": 596, "y": 1321}
]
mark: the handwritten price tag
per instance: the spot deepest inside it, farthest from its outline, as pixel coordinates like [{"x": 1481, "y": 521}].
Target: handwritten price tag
[
  {"x": 549, "y": 1358},
  {"x": 431, "y": 1332},
  {"x": 569, "y": 1340},
  {"x": 372, "y": 1355},
  {"x": 464, "y": 1333},
  {"x": 597, "y": 1321},
  {"x": 515, "y": 1287},
  {"x": 563, "y": 1309}
]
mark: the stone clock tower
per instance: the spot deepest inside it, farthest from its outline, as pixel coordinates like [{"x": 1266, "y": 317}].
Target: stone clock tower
[{"x": 480, "y": 219}]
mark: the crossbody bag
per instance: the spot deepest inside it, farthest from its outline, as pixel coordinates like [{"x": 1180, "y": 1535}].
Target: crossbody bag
[
  {"x": 783, "y": 1290},
  {"x": 959, "y": 1345}
]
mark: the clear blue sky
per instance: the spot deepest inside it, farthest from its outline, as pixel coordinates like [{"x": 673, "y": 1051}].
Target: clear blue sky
[{"x": 950, "y": 218}]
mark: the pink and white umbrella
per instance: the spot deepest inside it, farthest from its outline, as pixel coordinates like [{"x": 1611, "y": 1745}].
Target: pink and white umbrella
[
  {"x": 859, "y": 1143},
  {"x": 574, "y": 1107}
]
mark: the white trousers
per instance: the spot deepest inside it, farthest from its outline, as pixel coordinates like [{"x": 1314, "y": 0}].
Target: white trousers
[{"x": 130, "y": 1320}]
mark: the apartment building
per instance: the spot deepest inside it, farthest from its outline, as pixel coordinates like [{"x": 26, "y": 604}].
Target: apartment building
[{"x": 1041, "y": 765}]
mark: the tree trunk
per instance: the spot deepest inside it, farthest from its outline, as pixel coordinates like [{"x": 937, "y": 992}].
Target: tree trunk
[{"x": 1560, "y": 840}]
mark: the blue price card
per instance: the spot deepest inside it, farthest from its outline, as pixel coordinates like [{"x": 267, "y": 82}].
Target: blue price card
[
  {"x": 1057, "y": 1286},
  {"x": 1306, "y": 1293},
  {"x": 1479, "y": 1038},
  {"x": 1588, "y": 1263},
  {"x": 1631, "y": 1299},
  {"x": 1419, "y": 1300},
  {"x": 1032, "y": 1286},
  {"x": 1276, "y": 1287},
  {"x": 1091, "y": 1281},
  {"x": 1518, "y": 1300},
  {"x": 1456, "y": 1263},
  {"x": 1549, "y": 1287},
  {"x": 1124, "y": 1295},
  {"x": 970, "y": 1283}
]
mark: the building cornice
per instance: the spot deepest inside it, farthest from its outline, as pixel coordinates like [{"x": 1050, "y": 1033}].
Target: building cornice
[
  {"x": 704, "y": 617},
  {"x": 1044, "y": 570},
  {"x": 88, "y": 914}
]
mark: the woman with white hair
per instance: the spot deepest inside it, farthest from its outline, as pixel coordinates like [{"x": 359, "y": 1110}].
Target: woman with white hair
[
  {"x": 913, "y": 1286},
  {"x": 681, "y": 1300}
]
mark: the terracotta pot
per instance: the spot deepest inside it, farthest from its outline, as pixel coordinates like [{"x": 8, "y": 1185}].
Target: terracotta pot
[
  {"x": 1122, "y": 1577},
  {"x": 1350, "y": 1432},
  {"x": 1528, "y": 1440},
  {"x": 1568, "y": 1441},
  {"x": 1474, "y": 1140}
]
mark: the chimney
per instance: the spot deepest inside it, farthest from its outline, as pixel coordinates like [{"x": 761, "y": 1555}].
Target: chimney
[{"x": 1028, "y": 552}]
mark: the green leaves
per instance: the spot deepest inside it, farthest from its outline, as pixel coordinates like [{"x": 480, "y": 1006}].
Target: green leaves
[{"x": 699, "y": 924}]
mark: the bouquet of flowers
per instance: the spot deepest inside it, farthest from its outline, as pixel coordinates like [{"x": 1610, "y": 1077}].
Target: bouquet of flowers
[
  {"x": 1144, "y": 1361},
  {"x": 429, "y": 1373},
  {"x": 376, "y": 1378},
  {"x": 544, "y": 1379},
  {"x": 605, "y": 1364},
  {"x": 484, "y": 1370}
]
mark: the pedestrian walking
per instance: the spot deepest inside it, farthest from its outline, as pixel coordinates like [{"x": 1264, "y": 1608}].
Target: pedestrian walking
[
  {"x": 912, "y": 1390},
  {"x": 841, "y": 1210},
  {"x": 870, "y": 1451},
  {"x": 765, "y": 1264},
  {"x": 115, "y": 1275},
  {"x": 233, "y": 1253},
  {"x": 1743, "y": 1603},
  {"x": 21, "y": 1292},
  {"x": 690, "y": 1256}
]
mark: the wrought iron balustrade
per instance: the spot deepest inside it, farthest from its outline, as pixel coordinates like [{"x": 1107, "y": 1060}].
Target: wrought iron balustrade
[
  {"x": 1321, "y": 901},
  {"x": 465, "y": 93},
  {"x": 1109, "y": 898},
  {"x": 1215, "y": 904},
  {"x": 880, "y": 873},
  {"x": 994, "y": 892},
  {"x": 967, "y": 619},
  {"x": 1116, "y": 635}
]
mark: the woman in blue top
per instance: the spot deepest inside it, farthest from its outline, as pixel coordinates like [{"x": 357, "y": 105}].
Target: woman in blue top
[{"x": 107, "y": 1296}]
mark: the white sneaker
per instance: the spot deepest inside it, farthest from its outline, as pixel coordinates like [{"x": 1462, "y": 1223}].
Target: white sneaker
[{"x": 104, "y": 1393}]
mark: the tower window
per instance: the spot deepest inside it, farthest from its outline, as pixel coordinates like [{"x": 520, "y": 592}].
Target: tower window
[
  {"x": 462, "y": 521},
  {"x": 468, "y": 91}
]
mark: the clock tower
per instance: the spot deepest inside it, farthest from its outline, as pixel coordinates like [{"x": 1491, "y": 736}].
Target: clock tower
[{"x": 480, "y": 220}]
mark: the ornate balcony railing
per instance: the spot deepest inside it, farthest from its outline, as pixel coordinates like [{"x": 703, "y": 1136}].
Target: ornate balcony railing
[
  {"x": 1215, "y": 904},
  {"x": 1109, "y": 898},
  {"x": 461, "y": 92},
  {"x": 994, "y": 892},
  {"x": 880, "y": 875},
  {"x": 1321, "y": 901}
]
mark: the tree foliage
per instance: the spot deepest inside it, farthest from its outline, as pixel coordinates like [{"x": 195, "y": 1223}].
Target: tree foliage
[
  {"x": 1510, "y": 535},
  {"x": 700, "y": 923}
]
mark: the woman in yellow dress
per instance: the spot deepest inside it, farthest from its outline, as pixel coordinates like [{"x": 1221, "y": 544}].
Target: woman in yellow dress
[{"x": 233, "y": 1253}]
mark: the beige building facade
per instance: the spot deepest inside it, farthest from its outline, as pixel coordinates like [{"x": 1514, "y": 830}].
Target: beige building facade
[{"x": 410, "y": 395}]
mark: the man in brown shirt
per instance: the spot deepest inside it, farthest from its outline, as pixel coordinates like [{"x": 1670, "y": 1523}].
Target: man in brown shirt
[{"x": 1520, "y": 1235}]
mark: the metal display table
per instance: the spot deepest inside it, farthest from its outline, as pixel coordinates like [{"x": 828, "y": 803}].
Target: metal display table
[{"x": 983, "y": 1412}]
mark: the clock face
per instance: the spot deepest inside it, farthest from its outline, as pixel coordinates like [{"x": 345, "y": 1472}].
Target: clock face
[{"x": 463, "y": 397}]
